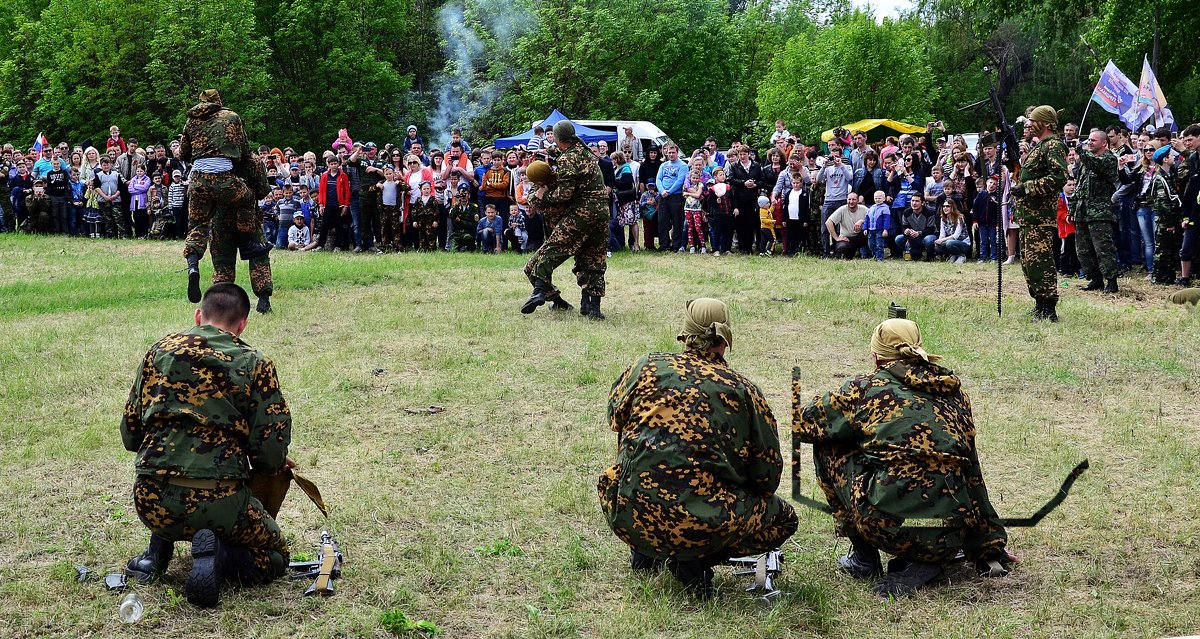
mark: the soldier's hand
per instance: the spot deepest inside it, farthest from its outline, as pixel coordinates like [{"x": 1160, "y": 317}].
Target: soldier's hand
[{"x": 1017, "y": 190}]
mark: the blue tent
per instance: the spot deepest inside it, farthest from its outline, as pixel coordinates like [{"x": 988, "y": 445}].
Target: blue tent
[{"x": 584, "y": 133}]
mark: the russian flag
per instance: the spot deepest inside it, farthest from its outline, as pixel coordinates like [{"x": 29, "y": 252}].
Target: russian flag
[{"x": 40, "y": 142}]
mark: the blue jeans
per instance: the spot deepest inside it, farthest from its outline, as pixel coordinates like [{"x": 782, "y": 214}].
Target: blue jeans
[
  {"x": 1145, "y": 220},
  {"x": 281, "y": 241},
  {"x": 914, "y": 245},
  {"x": 356, "y": 222},
  {"x": 826, "y": 211},
  {"x": 988, "y": 247},
  {"x": 875, "y": 243},
  {"x": 949, "y": 247},
  {"x": 270, "y": 228}
]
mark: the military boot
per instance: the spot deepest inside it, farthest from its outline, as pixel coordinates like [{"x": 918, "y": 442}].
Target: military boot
[
  {"x": 538, "y": 297},
  {"x": 862, "y": 562},
  {"x": 1095, "y": 284},
  {"x": 557, "y": 303},
  {"x": 193, "y": 271},
  {"x": 908, "y": 580},
  {"x": 644, "y": 563},
  {"x": 264, "y": 304},
  {"x": 147, "y": 566},
  {"x": 584, "y": 300},
  {"x": 1111, "y": 287},
  {"x": 251, "y": 249},
  {"x": 696, "y": 576},
  {"x": 208, "y": 570},
  {"x": 593, "y": 310},
  {"x": 1048, "y": 311}
]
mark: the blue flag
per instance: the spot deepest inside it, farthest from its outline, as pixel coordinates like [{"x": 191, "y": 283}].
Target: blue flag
[{"x": 1117, "y": 94}]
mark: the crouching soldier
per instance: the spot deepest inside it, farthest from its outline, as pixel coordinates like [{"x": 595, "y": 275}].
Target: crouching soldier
[{"x": 698, "y": 458}]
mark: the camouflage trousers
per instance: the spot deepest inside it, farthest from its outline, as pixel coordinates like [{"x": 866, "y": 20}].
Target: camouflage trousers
[
  {"x": 843, "y": 476},
  {"x": 115, "y": 219},
  {"x": 1168, "y": 240},
  {"x": 175, "y": 513},
  {"x": 1094, "y": 246},
  {"x": 1037, "y": 261},
  {"x": 222, "y": 207},
  {"x": 573, "y": 236},
  {"x": 426, "y": 235},
  {"x": 391, "y": 228},
  {"x": 752, "y": 523}
]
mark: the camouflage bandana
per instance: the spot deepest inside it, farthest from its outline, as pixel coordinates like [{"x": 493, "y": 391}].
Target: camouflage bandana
[
  {"x": 705, "y": 322},
  {"x": 211, "y": 95},
  {"x": 896, "y": 339},
  {"x": 1045, "y": 114}
]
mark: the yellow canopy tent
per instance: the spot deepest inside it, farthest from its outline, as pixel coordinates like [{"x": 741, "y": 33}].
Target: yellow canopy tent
[{"x": 876, "y": 129}]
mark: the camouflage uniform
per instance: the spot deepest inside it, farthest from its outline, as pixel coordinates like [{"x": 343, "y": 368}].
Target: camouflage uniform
[
  {"x": 698, "y": 461},
  {"x": 583, "y": 230},
  {"x": 1043, "y": 176},
  {"x": 424, "y": 215},
  {"x": 37, "y": 211},
  {"x": 1168, "y": 235},
  {"x": 1094, "y": 214},
  {"x": 895, "y": 446},
  {"x": 222, "y": 204},
  {"x": 463, "y": 219},
  {"x": 206, "y": 406}
]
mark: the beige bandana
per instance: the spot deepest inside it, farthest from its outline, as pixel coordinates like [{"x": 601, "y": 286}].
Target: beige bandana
[
  {"x": 705, "y": 322},
  {"x": 899, "y": 339}
]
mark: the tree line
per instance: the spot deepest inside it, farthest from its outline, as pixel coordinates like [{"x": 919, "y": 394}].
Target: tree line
[{"x": 298, "y": 70}]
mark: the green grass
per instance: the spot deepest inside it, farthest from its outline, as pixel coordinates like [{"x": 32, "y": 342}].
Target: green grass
[{"x": 429, "y": 507}]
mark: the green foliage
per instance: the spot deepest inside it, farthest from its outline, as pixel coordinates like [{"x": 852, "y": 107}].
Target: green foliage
[
  {"x": 499, "y": 548},
  {"x": 398, "y": 623},
  {"x": 856, "y": 68}
]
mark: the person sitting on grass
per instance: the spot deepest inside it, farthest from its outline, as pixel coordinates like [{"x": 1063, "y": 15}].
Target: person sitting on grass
[
  {"x": 489, "y": 230},
  {"x": 953, "y": 239},
  {"x": 299, "y": 235},
  {"x": 895, "y": 446},
  {"x": 698, "y": 459}
]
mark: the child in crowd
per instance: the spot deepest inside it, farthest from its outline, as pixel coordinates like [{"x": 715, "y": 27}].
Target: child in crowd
[
  {"x": 177, "y": 200},
  {"x": 766, "y": 226},
  {"x": 299, "y": 235},
  {"x": 876, "y": 225},
  {"x": 935, "y": 186},
  {"x": 425, "y": 214},
  {"x": 1066, "y": 260},
  {"x": 78, "y": 196},
  {"x": 693, "y": 213},
  {"x": 719, "y": 204},
  {"x": 391, "y": 228},
  {"x": 138, "y": 186},
  {"x": 516, "y": 232},
  {"x": 286, "y": 208},
  {"x": 987, "y": 218},
  {"x": 37, "y": 207},
  {"x": 270, "y": 213},
  {"x": 464, "y": 216},
  {"x": 91, "y": 214},
  {"x": 309, "y": 210},
  {"x": 488, "y": 230},
  {"x": 648, "y": 205},
  {"x": 160, "y": 213}
]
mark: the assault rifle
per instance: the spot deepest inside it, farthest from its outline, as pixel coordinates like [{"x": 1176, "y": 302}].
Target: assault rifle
[{"x": 326, "y": 568}]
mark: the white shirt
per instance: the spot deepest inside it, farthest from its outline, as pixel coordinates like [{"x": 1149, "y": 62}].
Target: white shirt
[{"x": 793, "y": 206}]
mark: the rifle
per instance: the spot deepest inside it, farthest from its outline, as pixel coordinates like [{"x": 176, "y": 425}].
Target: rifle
[
  {"x": 1010, "y": 155},
  {"x": 326, "y": 568}
]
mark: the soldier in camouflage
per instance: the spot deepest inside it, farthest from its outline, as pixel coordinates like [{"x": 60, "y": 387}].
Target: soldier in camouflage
[
  {"x": 464, "y": 215},
  {"x": 206, "y": 408},
  {"x": 1168, "y": 234},
  {"x": 582, "y": 231},
  {"x": 1036, "y": 189},
  {"x": 1094, "y": 215},
  {"x": 894, "y": 453},
  {"x": 226, "y": 180},
  {"x": 698, "y": 459}
]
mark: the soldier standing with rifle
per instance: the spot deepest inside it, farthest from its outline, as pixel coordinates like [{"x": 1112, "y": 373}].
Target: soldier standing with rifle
[
  {"x": 1036, "y": 189},
  {"x": 226, "y": 181}
]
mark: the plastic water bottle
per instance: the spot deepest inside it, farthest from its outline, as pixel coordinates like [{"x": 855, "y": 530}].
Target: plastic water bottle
[{"x": 131, "y": 608}]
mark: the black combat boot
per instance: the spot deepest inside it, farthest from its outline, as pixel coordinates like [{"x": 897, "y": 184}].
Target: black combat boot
[
  {"x": 193, "y": 270},
  {"x": 1048, "y": 311},
  {"x": 538, "y": 297},
  {"x": 1036, "y": 311},
  {"x": 1095, "y": 284},
  {"x": 1111, "y": 287},
  {"x": 584, "y": 300},
  {"x": 906, "y": 581},
  {"x": 644, "y": 563},
  {"x": 696, "y": 576},
  {"x": 559, "y": 304},
  {"x": 593, "y": 309},
  {"x": 251, "y": 249},
  {"x": 208, "y": 570},
  {"x": 264, "y": 304},
  {"x": 147, "y": 566},
  {"x": 862, "y": 562}
]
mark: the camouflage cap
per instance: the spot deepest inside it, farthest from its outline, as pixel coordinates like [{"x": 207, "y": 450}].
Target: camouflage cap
[
  {"x": 211, "y": 95},
  {"x": 1045, "y": 114},
  {"x": 565, "y": 131}
]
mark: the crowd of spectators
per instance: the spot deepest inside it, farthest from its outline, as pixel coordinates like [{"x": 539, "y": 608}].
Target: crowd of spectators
[{"x": 910, "y": 197}]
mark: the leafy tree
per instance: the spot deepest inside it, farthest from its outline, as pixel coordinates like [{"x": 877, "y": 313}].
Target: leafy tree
[{"x": 855, "y": 68}]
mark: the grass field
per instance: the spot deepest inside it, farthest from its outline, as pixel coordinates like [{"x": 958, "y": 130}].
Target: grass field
[{"x": 483, "y": 519}]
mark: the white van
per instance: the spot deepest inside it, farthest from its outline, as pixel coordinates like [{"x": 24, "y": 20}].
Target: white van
[{"x": 647, "y": 132}]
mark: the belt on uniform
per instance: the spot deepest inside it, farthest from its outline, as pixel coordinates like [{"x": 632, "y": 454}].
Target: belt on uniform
[{"x": 206, "y": 484}]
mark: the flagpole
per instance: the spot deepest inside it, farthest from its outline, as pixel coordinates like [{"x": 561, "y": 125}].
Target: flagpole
[{"x": 1083, "y": 131}]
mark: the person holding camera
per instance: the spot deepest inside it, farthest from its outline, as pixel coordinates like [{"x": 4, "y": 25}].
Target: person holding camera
[{"x": 1094, "y": 215}]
